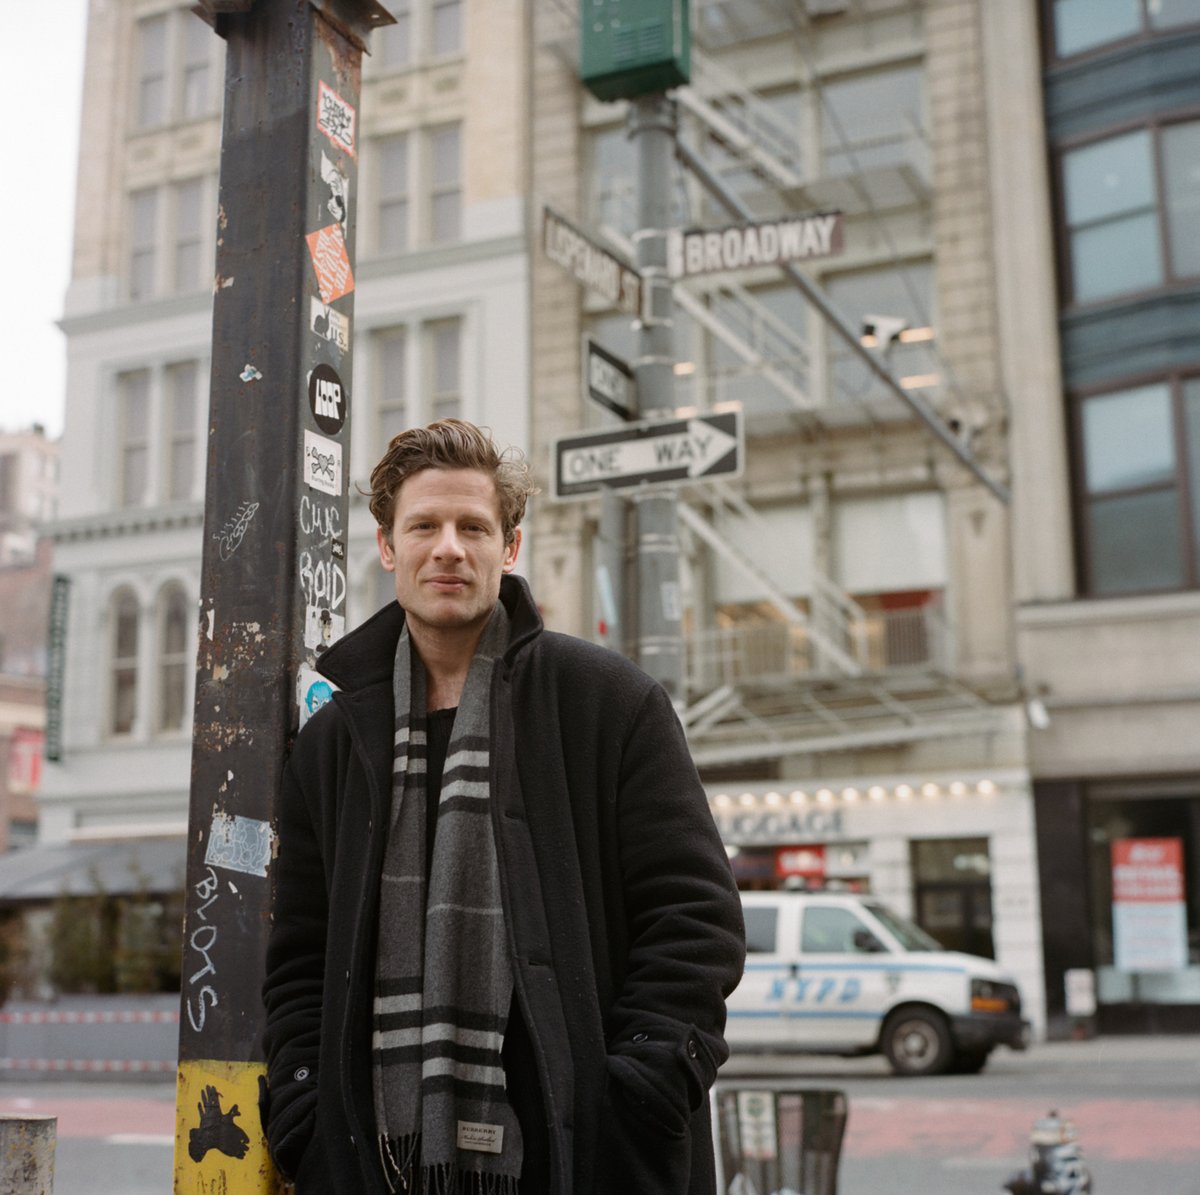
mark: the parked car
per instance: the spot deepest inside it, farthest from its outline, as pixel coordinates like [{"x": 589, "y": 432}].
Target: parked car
[{"x": 837, "y": 973}]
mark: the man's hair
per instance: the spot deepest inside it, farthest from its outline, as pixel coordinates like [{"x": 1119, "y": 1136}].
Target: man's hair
[{"x": 451, "y": 444}]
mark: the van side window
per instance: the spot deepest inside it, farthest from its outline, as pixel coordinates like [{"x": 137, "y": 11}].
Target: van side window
[
  {"x": 760, "y": 930},
  {"x": 829, "y": 930}
]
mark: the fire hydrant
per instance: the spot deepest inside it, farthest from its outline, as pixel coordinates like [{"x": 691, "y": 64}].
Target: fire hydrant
[{"x": 1056, "y": 1162}]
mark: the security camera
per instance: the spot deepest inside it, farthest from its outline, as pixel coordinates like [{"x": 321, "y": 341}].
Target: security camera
[{"x": 883, "y": 329}]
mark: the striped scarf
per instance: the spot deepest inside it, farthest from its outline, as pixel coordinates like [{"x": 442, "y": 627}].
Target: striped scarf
[{"x": 443, "y": 977}]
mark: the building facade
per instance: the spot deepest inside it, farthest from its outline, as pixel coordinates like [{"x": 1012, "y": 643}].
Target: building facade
[
  {"x": 984, "y": 711},
  {"x": 1107, "y": 433},
  {"x": 440, "y": 329}
]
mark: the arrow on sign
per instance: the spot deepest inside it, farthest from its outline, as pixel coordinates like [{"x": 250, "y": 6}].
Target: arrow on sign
[{"x": 678, "y": 450}]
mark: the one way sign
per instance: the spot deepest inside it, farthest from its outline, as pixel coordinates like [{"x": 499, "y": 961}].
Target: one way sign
[{"x": 652, "y": 453}]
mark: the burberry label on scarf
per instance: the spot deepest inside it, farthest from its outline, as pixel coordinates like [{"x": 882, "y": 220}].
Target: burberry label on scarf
[{"x": 483, "y": 1138}]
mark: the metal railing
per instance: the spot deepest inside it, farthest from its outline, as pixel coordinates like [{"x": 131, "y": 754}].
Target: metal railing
[{"x": 766, "y": 652}]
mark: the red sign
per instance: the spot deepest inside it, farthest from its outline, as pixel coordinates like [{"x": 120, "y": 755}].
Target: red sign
[
  {"x": 807, "y": 861},
  {"x": 1147, "y": 870},
  {"x": 25, "y": 760}
]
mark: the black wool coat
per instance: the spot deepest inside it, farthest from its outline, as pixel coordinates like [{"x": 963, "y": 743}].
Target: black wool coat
[{"x": 624, "y": 924}]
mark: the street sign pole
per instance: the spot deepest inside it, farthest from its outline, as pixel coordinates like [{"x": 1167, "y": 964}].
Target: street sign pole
[
  {"x": 273, "y": 575},
  {"x": 658, "y": 599}
]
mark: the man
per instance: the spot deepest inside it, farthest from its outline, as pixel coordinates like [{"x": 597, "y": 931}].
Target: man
[{"x": 504, "y": 922}]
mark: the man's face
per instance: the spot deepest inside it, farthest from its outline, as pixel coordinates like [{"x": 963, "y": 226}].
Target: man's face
[{"x": 447, "y": 549}]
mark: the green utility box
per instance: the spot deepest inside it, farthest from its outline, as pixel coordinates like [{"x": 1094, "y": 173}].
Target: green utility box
[{"x": 633, "y": 47}]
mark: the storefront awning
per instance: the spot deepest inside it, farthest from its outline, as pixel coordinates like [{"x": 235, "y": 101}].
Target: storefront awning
[{"x": 40, "y": 873}]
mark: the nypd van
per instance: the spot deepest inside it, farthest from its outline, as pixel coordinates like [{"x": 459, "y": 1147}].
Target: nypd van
[{"x": 837, "y": 973}]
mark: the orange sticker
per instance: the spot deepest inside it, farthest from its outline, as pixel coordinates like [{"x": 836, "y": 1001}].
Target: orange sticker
[{"x": 327, "y": 248}]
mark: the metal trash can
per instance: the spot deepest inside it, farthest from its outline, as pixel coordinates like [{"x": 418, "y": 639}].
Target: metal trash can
[{"x": 778, "y": 1140}]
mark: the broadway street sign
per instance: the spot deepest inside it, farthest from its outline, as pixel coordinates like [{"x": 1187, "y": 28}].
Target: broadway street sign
[
  {"x": 709, "y": 250},
  {"x": 590, "y": 263},
  {"x": 652, "y": 453}
]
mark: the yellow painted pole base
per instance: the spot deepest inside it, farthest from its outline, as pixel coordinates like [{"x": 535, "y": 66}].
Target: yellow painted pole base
[{"x": 220, "y": 1148}]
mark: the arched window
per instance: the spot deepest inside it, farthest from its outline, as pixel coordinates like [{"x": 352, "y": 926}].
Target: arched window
[
  {"x": 172, "y": 659},
  {"x": 123, "y": 707}
]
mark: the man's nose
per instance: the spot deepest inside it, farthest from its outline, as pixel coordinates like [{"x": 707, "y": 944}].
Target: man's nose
[{"x": 448, "y": 545}]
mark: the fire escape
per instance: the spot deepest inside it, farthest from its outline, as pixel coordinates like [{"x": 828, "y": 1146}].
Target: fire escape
[{"x": 823, "y": 673}]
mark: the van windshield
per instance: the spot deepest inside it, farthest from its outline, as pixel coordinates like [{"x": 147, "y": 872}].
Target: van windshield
[{"x": 911, "y": 937}]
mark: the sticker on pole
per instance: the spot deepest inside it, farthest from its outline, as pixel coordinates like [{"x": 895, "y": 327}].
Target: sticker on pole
[
  {"x": 322, "y": 464},
  {"x": 327, "y": 399},
  {"x": 335, "y": 118},
  {"x": 329, "y": 324},
  {"x": 331, "y": 262}
]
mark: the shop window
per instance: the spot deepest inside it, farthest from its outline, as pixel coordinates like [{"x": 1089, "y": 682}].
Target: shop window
[
  {"x": 1143, "y": 844},
  {"x": 1140, "y": 488},
  {"x": 952, "y": 893}
]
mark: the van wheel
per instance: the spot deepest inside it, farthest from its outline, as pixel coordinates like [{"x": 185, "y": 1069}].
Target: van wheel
[
  {"x": 969, "y": 1062},
  {"x": 916, "y": 1041}
]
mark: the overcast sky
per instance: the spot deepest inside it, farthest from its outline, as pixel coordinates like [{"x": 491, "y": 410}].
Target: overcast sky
[{"x": 44, "y": 43}]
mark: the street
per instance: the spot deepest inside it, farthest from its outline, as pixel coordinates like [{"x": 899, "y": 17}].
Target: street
[{"x": 1135, "y": 1102}]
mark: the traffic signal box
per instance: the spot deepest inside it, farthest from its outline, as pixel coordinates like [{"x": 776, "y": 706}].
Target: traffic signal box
[{"x": 632, "y": 47}]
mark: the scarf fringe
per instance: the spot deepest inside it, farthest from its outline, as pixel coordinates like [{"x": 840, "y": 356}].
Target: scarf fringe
[{"x": 401, "y": 1163}]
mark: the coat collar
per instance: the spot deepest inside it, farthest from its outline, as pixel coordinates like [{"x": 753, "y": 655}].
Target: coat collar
[{"x": 366, "y": 656}]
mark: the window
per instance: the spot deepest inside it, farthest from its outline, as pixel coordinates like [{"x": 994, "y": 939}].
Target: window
[
  {"x": 425, "y": 355},
  {"x": 189, "y": 207},
  {"x": 1122, "y": 237},
  {"x": 169, "y": 241},
  {"x": 392, "y": 365},
  {"x": 124, "y": 663},
  {"x": 1181, "y": 199},
  {"x": 827, "y": 929},
  {"x": 760, "y": 929},
  {"x": 1140, "y": 488},
  {"x": 391, "y": 46},
  {"x": 197, "y": 68},
  {"x": 172, "y": 659},
  {"x": 143, "y": 244},
  {"x": 393, "y": 193},
  {"x": 182, "y": 383},
  {"x": 175, "y": 55},
  {"x": 872, "y": 120},
  {"x": 445, "y": 170},
  {"x": 892, "y": 308},
  {"x": 133, "y": 391},
  {"x": 1081, "y": 25},
  {"x": 446, "y": 34},
  {"x": 445, "y": 338},
  {"x": 152, "y": 72}
]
